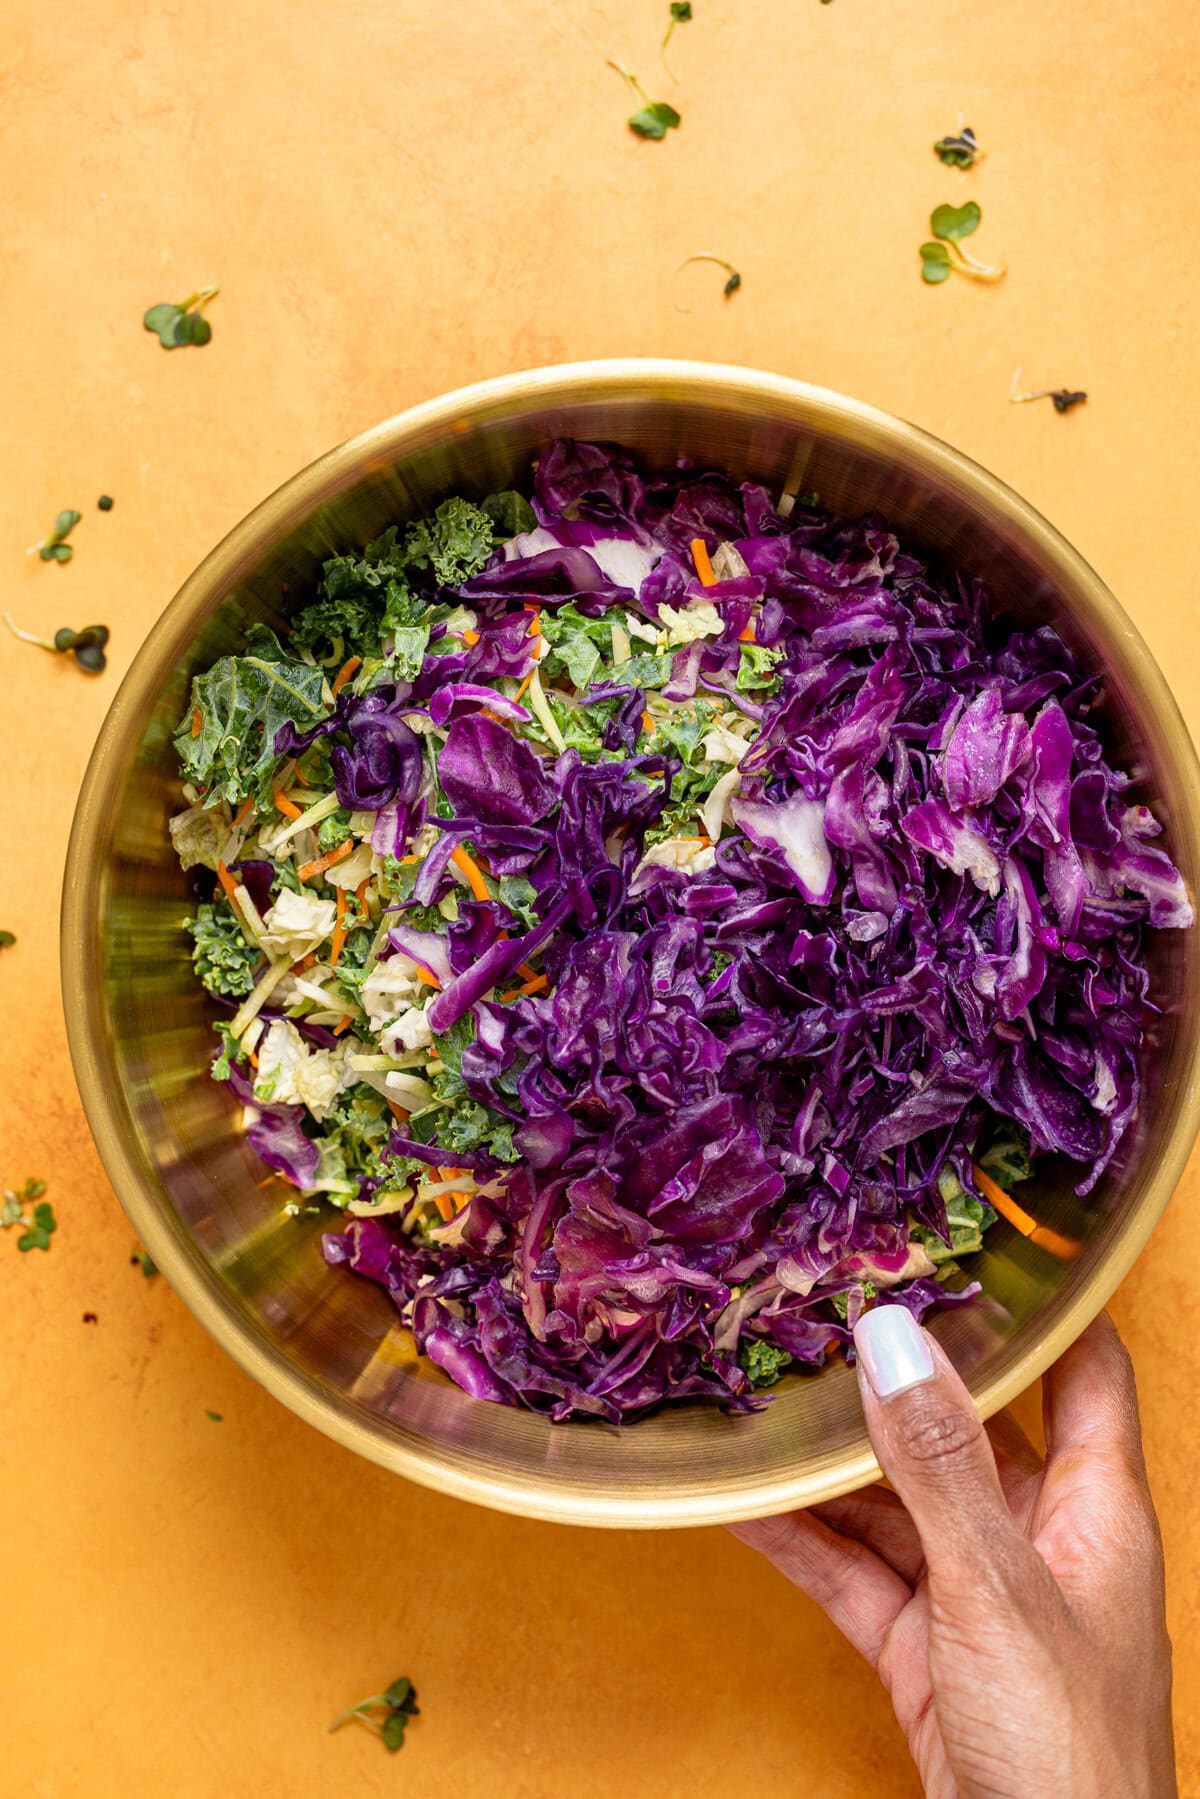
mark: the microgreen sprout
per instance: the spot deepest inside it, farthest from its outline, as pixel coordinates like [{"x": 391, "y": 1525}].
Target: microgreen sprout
[
  {"x": 105, "y": 502},
  {"x": 1063, "y": 397},
  {"x": 6, "y": 940},
  {"x": 950, "y": 224},
  {"x": 142, "y": 1260},
  {"x": 681, "y": 12},
  {"x": 733, "y": 281},
  {"x": 87, "y": 646},
  {"x": 397, "y": 1704},
  {"x": 176, "y": 326},
  {"x": 653, "y": 118},
  {"x": 961, "y": 151},
  {"x": 55, "y": 548},
  {"x": 39, "y": 1226}
]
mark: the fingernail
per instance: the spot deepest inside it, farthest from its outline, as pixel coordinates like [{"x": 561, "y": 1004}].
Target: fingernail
[{"x": 894, "y": 1350}]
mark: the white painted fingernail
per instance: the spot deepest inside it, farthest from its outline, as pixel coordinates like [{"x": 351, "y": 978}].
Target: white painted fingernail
[{"x": 893, "y": 1349}]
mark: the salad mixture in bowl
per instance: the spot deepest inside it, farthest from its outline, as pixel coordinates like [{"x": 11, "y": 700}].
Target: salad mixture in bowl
[{"x": 662, "y": 918}]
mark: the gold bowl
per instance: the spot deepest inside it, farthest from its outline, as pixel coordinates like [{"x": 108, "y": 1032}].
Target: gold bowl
[{"x": 329, "y": 1344}]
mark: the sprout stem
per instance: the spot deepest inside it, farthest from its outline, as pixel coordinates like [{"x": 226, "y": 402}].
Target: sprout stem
[
  {"x": 702, "y": 256},
  {"x": 26, "y": 637}
]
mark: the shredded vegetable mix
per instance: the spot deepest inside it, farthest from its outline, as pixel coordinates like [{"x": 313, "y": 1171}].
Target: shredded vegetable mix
[{"x": 661, "y": 920}]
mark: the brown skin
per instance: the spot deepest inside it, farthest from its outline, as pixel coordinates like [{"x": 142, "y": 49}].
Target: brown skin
[{"x": 1012, "y": 1608}]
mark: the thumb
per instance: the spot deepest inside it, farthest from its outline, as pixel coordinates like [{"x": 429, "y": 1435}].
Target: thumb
[{"x": 931, "y": 1444}]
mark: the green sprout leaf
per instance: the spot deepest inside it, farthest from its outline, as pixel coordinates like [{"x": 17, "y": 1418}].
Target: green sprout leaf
[
  {"x": 953, "y": 223},
  {"x": 39, "y": 1227},
  {"x": 217, "y": 1417},
  {"x": 653, "y": 118},
  {"x": 6, "y": 940},
  {"x": 397, "y": 1704},
  {"x": 681, "y": 12},
  {"x": 140, "y": 1258},
  {"x": 87, "y": 646},
  {"x": 950, "y": 224},
  {"x": 733, "y": 278},
  {"x": 1063, "y": 398},
  {"x": 38, "y": 1234},
  {"x": 183, "y": 324},
  {"x": 959, "y": 152},
  {"x": 54, "y": 547}
]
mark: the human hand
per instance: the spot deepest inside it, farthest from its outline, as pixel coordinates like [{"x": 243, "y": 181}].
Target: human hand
[{"x": 1014, "y": 1610}]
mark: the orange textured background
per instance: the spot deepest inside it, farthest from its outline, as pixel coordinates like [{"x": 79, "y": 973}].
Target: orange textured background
[{"x": 396, "y": 197}]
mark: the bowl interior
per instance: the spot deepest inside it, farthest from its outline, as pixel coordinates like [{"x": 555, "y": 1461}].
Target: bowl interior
[{"x": 329, "y": 1344}]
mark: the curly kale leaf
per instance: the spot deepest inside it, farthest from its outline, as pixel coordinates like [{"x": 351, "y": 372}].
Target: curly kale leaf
[
  {"x": 223, "y": 960},
  {"x": 226, "y": 738}
]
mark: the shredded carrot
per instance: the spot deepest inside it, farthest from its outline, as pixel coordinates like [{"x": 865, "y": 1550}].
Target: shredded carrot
[
  {"x": 701, "y": 840},
  {"x": 243, "y": 812},
  {"x": 344, "y": 673},
  {"x": 343, "y": 1024},
  {"x": 647, "y": 721},
  {"x": 252, "y": 1058},
  {"x": 283, "y": 804},
  {"x": 405, "y": 860},
  {"x": 445, "y": 1205},
  {"x": 467, "y": 868},
  {"x": 339, "y": 930},
  {"x": 227, "y": 882},
  {"x": 470, "y": 638},
  {"x": 450, "y": 1174},
  {"x": 535, "y": 985},
  {"x": 704, "y": 567},
  {"x": 523, "y": 968},
  {"x": 397, "y": 1112},
  {"x": 1007, "y": 1207},
  {"x": 429, "y": 978},
  {"x": 360, "y": 892},
  {"x": 746, "y": 634},
  {"x": 308, "y": 961},
  {"x": 328, "y": 860},
  {"x": 197, "y": 722},
  {"x": 524, "y": 684}
]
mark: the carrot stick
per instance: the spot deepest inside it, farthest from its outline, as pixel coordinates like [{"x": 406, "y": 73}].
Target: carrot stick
[
  {"x": 523, "y": 969},
  {"x": 344, "y": 673},
  {"x": 284, "y": 804},
  {"x": 397, "y": 1111},
  {"x": 227, "y": 882},
  {"x": 445, "y": 1205},
  {"x": 197, "y": 722},
  {"x": 343, "y": 1024},
  {"x": 704, "y": 567},
  {"x": 647, "y": 721},
  {"x": 535, "y": 985},
  {"x": 243, "y": 812},
  {"x": 524, "y": 684},
  {"x": 1007, "y": 1207},
  {"x": 746, "y": 634},
  {"x": 339, "y": 929},
  {"x": 305, "y": 962},
  {"x": 429, "y": 978},
  {"x": 474, "y": 878},
  {"x": 470, "y": 638},
  {"x": 329, "y": 860}
]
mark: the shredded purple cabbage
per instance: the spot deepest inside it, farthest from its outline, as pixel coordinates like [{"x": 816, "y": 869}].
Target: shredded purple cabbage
[{"x": 742, "y": 1086}]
